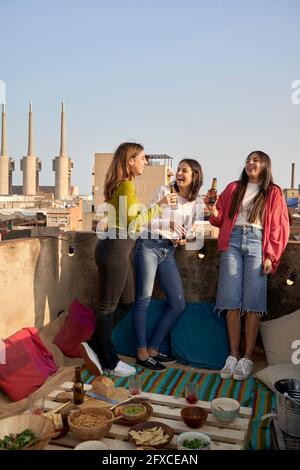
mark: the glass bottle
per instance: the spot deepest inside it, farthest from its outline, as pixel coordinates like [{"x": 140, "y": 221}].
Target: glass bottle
[
  {"x": 78, "y": 392},
  {"x": 173, "y": 191},
  {"x": 212, "y": 193}
]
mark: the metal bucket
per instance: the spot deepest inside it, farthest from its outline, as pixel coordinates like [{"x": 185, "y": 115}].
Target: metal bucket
[{"x": 288, "y": 405}]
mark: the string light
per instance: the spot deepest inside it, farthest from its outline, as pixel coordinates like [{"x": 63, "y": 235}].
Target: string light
[
  {"x": 202, "y": 252},
  {"x": 291, "y": 278}
]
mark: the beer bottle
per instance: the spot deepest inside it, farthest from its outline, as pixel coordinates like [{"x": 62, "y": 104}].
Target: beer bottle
[
  {"x": 78, "y": 393},
  {"x": 212, "y": 193},
  {"x": 172, "y": 191}
]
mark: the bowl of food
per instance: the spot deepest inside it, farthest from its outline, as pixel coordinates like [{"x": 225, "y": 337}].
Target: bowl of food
[
  {"x": 26, "y": 431},
  {"x": 90, "y": 423},
  {"x": 225, "y": 409},
  {"x": 194, "y": 416},
  {"x": 193, "y": 440},
  {"x": 151, "y": 433},
  {"x": 91, "y": 445},
  {"x": 134, "y": 412}
]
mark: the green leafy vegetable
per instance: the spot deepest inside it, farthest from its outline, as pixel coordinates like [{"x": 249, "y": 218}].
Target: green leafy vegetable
[{"x": 17, "y": 441}]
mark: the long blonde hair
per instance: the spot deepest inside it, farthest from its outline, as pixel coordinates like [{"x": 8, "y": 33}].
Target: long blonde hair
[{"x": 119, "y": 169}]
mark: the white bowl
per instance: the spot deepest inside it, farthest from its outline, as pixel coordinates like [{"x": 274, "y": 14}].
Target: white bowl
[
  {"x": 191, "y": 435},
  {"x": 91, "y": 445},
  {"x": 225, "y": 409}
]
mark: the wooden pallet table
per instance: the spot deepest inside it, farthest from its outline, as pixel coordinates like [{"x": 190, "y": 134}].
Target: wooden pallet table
[{"x": 166, "y": 409}]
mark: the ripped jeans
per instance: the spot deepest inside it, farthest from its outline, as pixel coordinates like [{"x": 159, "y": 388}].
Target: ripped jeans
[
  {"x": 242, "y": 284},
  {"x": 156, "y": 256}
]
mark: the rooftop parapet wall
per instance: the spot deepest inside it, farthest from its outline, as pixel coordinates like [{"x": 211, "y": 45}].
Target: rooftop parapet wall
[{"x": 38, "y": 279}]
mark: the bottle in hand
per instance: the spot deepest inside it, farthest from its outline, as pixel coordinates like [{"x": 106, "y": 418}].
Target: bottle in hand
[
  {"x": 78, "y": 392},
  {"x": 212, "y": 193},
  {"x": 173, "y": 191}
]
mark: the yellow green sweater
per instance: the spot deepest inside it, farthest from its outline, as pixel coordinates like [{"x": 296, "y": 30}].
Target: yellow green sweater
[{"x": 128, "y": 209}]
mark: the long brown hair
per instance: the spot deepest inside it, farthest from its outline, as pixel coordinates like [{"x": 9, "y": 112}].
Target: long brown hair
[
  {"x": 255, "y": 209},
  {"x": 197, "y": 176},
  {"x": 119, "y": 169}
]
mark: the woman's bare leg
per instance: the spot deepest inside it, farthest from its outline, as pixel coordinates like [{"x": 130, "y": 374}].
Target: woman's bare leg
[
  {"x": 234, "y": 331},
  {"x": 251, "y": 331}
]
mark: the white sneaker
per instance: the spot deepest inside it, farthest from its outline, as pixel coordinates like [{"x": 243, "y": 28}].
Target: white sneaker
[
  {"x": 123, "y": 370},
  {"x": 243, "y": 369},
  {"x": 228, "y": 369},
  {"x": 91, "y": 359}
]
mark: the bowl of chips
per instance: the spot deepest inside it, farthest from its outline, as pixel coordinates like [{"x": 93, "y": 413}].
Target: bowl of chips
[{"x": 151, "y": 433}]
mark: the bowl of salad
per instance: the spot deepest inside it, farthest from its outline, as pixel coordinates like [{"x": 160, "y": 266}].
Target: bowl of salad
[
  {"x": 193, "y": 441},
  {"x": 26, "y": 431}
]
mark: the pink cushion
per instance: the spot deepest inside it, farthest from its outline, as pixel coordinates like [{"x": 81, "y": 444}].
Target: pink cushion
[
  {"x": 79, "y": 326},
  {"x": 27, "y": 364}
]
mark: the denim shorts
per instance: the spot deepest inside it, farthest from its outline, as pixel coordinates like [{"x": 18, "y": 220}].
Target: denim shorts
[{"x": 242, "y": 284}]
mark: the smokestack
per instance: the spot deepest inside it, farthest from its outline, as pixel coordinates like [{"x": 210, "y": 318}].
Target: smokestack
[
  {"x": 62, "y": 130},
  {"x": 30, "y": 131},
  {"x": 7, "y": 165},
  {"x": 30, "y": 165},
  {"x": 3, "y": 142},
  {"x": 293, "y": 176},
  {"x": 62, "y": 165}
]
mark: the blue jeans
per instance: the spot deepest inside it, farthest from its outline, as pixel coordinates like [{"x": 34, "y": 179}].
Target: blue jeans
[
  {"x": 242, "y": 284},
  {"x": 156, "y": 257}
]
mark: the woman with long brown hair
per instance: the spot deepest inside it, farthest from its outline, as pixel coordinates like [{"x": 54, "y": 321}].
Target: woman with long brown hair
[
  {"x": 113, "y": 256},
  {"x": 155, "y": 256},
  {"x": 254, "y": 229}
]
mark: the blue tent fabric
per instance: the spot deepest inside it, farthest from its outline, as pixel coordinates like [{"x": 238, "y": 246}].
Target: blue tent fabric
[{"x": 198, "y": 338}]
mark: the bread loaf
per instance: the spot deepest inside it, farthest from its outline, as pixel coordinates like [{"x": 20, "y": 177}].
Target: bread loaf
[{"x": 104, "y": 386}]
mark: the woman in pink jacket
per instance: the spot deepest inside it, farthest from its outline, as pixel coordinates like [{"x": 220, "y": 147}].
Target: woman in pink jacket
[{"x": 254, "y": 229}]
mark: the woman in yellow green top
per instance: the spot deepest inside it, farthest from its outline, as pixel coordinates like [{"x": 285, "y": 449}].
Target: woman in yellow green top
[{"x": 113, "y": 255}]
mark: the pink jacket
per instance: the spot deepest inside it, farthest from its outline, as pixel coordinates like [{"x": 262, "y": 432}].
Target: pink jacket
[{"x": 276, "y": 223}]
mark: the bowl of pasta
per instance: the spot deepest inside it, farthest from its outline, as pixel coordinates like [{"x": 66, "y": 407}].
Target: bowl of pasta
[{"x": 90, "y": 423}]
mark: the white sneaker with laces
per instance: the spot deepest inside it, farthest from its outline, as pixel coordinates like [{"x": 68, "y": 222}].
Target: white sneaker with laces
[
  {"x": 243, "y": 369},
  {"x": 229, "y": 367},
  {"x": 91, "y": 359},
  {"x": 123, "y": 370}
]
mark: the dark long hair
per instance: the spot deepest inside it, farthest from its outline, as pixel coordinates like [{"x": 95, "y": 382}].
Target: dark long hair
[
  {"x": 119, "y": 169},
  {"x": 256, "y": 207},
  {"x": 197, "y": 176}
]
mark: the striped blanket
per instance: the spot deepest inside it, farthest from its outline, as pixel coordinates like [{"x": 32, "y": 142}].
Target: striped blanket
[{"x": 249, "y": 393}]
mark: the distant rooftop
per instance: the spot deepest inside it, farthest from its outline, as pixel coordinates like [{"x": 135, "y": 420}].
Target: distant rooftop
[{"x": 160, "y": 159}]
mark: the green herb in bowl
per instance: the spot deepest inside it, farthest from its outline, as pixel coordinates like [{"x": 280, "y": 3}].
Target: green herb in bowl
[{"x": 195, "y": 444}]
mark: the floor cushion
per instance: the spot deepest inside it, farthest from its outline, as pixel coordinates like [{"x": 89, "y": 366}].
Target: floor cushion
[
  {"x": 278, "y": 336},
  {"x": 27, "y": 364},
  {"x": 123, "y": 334},
  {"x": 199, "y": 337},
  {"x": 271, "y": 374},
  {"x": 79, "y": 326}
]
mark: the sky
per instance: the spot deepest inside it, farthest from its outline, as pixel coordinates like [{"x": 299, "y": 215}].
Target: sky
[{"x": 204, "y": 79}]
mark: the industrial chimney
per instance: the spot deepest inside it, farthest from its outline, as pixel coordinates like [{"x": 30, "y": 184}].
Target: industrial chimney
[
  {"x": 30, "y": 165},
  {"x": 293, "y": 176},
  {"x": 7, "y": 165},
  {"x": 62, "y": 165}
]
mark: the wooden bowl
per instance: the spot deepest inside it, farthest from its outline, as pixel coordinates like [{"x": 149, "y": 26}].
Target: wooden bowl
[
  {"x": 136, "y": 417},
  {"x": 89, "y": 433},
  {"x": 119, "y": 412},
  {"x": 194, "y": 416},
  {"x": 148, "y": 425},
  {"x": 40, "y": 425}
]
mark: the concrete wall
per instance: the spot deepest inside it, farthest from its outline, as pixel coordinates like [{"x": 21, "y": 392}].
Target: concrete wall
[{"x": 38, "y": 279}]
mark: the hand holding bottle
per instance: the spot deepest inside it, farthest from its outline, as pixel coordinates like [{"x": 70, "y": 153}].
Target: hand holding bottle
[{"x": 169, "y": 200}]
